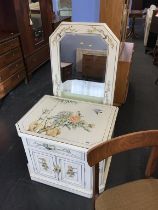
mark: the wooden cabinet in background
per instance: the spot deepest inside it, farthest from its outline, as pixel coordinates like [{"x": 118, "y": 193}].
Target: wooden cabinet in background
[
  {"x": 34, "y": 22},
  {"x": 12, "y": 68},
  {"x": 25, "y": 28},
  {"x": 115, "y": 15},
  {"x": 122, "y": 76}
]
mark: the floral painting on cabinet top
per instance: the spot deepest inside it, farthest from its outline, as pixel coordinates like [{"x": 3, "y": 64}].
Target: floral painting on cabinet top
[{"x": 52, "y": 125}]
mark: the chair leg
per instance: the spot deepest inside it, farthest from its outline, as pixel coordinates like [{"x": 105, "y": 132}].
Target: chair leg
[{"x": 152, "y": 162}]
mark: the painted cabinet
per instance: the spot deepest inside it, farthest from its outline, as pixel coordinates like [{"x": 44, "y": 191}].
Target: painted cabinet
[{"x": 57, "y": 134}]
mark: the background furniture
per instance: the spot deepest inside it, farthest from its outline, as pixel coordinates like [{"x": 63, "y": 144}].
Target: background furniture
[
  {"x": 148, "y": 20},
  {"x": 12, "y": 68},
  {"x": 109, "y": 12},
  {"x": 148, "y": 3},
  {"x": 66, "y": 71},
  {"x": 65, "y": 7},
  {"x": 94, "y": 67},
  {"x": 134, "y": 14},
  {"x": 152, "y": 31},
  {"x": 17, "y": 17},
  {"x": 57, "y": 133},
  {"x": 123, "y": 72},
  {"x": 137, "y": 5},
  {"x": 134, "y": 194}
]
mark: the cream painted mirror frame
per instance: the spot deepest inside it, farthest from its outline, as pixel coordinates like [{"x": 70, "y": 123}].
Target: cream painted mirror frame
[{"x": 106, "y": 34}]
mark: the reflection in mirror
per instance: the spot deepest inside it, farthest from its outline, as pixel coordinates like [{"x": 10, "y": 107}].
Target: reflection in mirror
[
  {"x": 36, "y": 20},
  {"x": 83, "y": 65}
]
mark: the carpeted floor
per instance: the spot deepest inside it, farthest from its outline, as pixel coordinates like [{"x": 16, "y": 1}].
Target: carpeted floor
[{"x": 140, "y": 112}]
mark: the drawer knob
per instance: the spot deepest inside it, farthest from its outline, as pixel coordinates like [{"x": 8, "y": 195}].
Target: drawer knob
[
  {"x": 57, "y": 169},
  {"x": 70, "y": 171},
  {"x": 44, "y": 164}
]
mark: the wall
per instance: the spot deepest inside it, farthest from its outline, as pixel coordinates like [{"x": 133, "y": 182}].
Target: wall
[
  {"x": 85, "y": 10},
  {"x": 55, "y": 6}
]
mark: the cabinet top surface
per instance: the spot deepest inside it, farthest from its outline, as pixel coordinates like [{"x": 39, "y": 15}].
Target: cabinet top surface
[{"x": 73, "y": 122}]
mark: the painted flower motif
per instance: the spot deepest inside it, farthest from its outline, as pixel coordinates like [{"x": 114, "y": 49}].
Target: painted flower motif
[
  {"x": 74, "y": 119},
  {"x": 50, "y": 125},
  {"x": 35, "y": 126},
  {"x": 53, "y": 132},
  {"x": 91, "y": 125},
  {"x": 32, "y": 126}
]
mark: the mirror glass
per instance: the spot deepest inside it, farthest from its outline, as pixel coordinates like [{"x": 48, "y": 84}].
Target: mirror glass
[
  {"x": 65, "y": 8},
  {"x": 36, "y": 20},
  {"x": 83, "y": 65}
]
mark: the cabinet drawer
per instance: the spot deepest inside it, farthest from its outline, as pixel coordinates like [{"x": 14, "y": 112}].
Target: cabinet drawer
[
  {"x": 9, "y": 45},
  {"x": 37, "y": 59},
  {"x": 11, "y": 69},
  {"x": 52, "y": 149},
  {"x": 10, "y": 56},
  {"x": 10, "y": 83}
]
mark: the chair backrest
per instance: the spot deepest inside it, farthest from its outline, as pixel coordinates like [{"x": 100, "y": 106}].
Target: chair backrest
[{"x": 122, "y": 144}]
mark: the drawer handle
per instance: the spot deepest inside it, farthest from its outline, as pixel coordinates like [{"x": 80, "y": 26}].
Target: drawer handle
[
  {"x": 16, "y": 65},
  {"x": 18, "y": 76}
]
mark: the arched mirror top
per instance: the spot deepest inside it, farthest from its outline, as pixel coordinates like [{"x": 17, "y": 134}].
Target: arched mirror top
[{"x": 74, "y": 46}]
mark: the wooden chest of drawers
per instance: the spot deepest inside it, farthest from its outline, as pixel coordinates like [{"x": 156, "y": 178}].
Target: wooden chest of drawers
[
  {"x": 37, "y": 59},
  {"x": 12, "y": 69}
]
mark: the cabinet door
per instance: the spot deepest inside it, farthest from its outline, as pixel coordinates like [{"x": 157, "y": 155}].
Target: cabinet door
[
  {"x": 44, "y": 165},
  {"x": 72, "y": 172}
]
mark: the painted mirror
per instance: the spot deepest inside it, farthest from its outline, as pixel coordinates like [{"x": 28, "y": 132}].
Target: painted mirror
[{"x": 84, "y": 61}]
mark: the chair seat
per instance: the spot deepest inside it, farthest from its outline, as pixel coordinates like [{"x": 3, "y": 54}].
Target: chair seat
[{"x": 137, "y": 195}]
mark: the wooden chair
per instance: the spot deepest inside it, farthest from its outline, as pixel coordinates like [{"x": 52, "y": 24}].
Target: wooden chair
[{"x": 135, "y": 195}]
